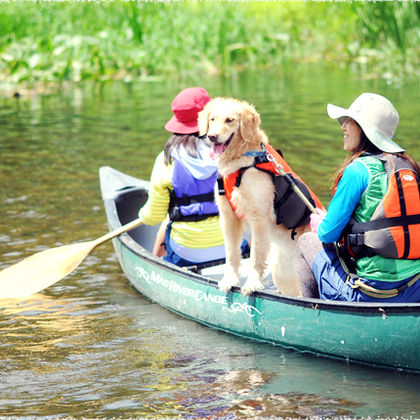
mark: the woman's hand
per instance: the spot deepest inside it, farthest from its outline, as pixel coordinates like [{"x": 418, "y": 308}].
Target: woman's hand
[{"x": 316, "y": 219}]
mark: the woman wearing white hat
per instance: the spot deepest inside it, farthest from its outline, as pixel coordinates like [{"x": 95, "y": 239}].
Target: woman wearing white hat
[{"x": 364, "y": 247}]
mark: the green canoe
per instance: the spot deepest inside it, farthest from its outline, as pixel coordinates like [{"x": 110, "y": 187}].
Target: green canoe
[{"x": 382, "y": 335}]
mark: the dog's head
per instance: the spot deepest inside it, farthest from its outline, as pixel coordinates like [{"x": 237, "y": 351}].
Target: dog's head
[{"x": 228, "y": 121}]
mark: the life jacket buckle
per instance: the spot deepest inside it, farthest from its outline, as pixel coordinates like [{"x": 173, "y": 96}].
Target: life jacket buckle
[
  {"x": 348, "y": 282},
  {"x": 355, "y": 239}
]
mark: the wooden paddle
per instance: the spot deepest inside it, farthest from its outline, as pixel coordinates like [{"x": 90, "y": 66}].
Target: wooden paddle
[{"x": 45, "y": 268}]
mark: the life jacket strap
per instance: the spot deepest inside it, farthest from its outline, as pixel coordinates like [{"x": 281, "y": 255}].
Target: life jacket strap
[
  {"x": 241, "y": 171},
  {"x": 377, "y": 224},
  {"x": 220, "y": 185},
  {"x": 187, "y": 200},
  {"x": 176, "y": 216},
  {"x": 175, "y": 203},
  {"x": 354, "y": 245}
]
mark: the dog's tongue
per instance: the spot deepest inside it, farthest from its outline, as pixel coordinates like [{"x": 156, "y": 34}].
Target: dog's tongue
[{"x": 218, "y": 149}]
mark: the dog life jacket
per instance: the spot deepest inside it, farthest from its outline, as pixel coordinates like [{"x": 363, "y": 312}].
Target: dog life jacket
[
  {"x": 394, "y": 228},
  {"x": 289, "y": 208},
  {"x": 192, "y": 199}
]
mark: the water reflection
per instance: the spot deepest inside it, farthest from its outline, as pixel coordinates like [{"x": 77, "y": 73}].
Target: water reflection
[{"x": 89, "y": 346}]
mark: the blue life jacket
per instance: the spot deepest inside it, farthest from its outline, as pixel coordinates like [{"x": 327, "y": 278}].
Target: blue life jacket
[{"x": 192, "y": 199}]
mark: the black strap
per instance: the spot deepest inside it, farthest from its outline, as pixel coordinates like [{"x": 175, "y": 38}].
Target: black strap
[
  {"x": 220, "y": 185},
  {"x": 175, "y": 202},
  {"x": 241, "y": 171},
  {"x": 192, "y": 199},
  {"x": 403, "y": 213},
  {"x": 385, "y": 222}
]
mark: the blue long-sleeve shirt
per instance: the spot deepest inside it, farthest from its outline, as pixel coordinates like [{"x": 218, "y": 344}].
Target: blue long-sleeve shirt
[{"x": 352, "y": 185}]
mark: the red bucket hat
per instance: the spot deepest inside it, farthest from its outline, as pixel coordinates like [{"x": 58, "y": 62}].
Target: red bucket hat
[{"x": 186, "y": 106}]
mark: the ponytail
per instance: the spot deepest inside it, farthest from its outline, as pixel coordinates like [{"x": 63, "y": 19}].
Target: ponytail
[{"x": 189, "y": 141}]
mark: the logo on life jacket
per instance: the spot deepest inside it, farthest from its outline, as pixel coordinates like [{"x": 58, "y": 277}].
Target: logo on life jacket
[
  {"x": 289, "y": 208},
  {"x": 395, "y": 224}
]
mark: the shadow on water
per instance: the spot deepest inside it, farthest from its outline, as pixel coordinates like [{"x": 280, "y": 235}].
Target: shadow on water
[{"x": 89, "y": 346}]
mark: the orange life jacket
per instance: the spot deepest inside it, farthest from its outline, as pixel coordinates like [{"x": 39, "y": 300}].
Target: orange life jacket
[
  {"x": 289, "y": 208},
  {"x": 394, "y": 228}
]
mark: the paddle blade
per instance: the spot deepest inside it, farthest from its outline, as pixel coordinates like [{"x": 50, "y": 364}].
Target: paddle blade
[{"x": 41, "y": 270}]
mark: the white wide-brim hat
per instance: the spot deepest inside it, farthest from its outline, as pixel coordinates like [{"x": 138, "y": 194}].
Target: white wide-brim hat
[{"x": 376, "y": 116}]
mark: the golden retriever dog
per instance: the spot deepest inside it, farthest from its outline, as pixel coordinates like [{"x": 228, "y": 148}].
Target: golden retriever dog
[{"x": 233, "y": 127}]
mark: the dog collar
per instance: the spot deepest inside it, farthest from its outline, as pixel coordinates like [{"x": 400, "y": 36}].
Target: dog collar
[{"x": 255, "y": 153}]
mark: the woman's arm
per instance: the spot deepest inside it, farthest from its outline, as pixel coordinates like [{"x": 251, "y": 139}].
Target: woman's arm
[
  {"x": 349, "y": 191},
  {"x": 159, "y": 248},
  {"x": 156, "y": 207}
]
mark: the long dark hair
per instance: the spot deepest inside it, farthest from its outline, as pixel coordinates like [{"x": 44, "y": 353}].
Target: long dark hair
[
  {"x": 189, "y": 141},
  {"x": 366, "y": 146}
]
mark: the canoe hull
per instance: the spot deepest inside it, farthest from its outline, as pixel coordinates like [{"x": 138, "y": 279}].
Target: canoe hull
[{"x": 378, "y": 335}]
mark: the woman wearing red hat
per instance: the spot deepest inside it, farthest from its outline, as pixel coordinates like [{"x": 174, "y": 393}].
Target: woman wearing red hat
[
  {"x": 181, "y": 187},
  {"x": 366, "y": 247}
]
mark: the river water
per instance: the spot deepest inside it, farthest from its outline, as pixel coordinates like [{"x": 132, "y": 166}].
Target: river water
[{"x": 90, "y": 346}]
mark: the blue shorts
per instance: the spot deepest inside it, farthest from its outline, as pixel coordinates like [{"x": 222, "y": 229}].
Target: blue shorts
[
  {"x": 331, "y": 278},
  {"x": 172, "y": 257}
]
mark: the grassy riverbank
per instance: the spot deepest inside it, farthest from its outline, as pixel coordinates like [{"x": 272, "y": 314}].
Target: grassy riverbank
[{"x": 50, "y": 42}]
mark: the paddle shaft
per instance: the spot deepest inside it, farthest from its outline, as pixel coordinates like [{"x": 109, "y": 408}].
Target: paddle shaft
[{"x": 110, "y": 235}]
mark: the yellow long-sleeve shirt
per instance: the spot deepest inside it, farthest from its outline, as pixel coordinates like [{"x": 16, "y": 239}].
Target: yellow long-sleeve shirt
[{"x": 203, "y": 234}]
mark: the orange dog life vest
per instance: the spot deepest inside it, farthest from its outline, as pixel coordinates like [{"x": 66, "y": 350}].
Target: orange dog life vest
[{"x": 289, "y": 208}]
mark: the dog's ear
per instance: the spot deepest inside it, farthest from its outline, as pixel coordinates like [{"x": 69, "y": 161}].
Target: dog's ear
[
  {"x": 249, "y": 123},
  {"x": 203, "y": 118}
]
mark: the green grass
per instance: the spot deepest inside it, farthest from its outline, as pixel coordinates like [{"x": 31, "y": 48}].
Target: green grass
[{"x": 46, "y": 42}]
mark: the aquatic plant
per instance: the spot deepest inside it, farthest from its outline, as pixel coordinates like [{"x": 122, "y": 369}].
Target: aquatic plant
[{"x": 70, "y": 41}]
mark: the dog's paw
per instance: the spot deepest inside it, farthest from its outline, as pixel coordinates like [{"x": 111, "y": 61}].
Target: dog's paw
[
  {"x": 230, "y": 279},
  {"x": 253, "y": 283}
]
